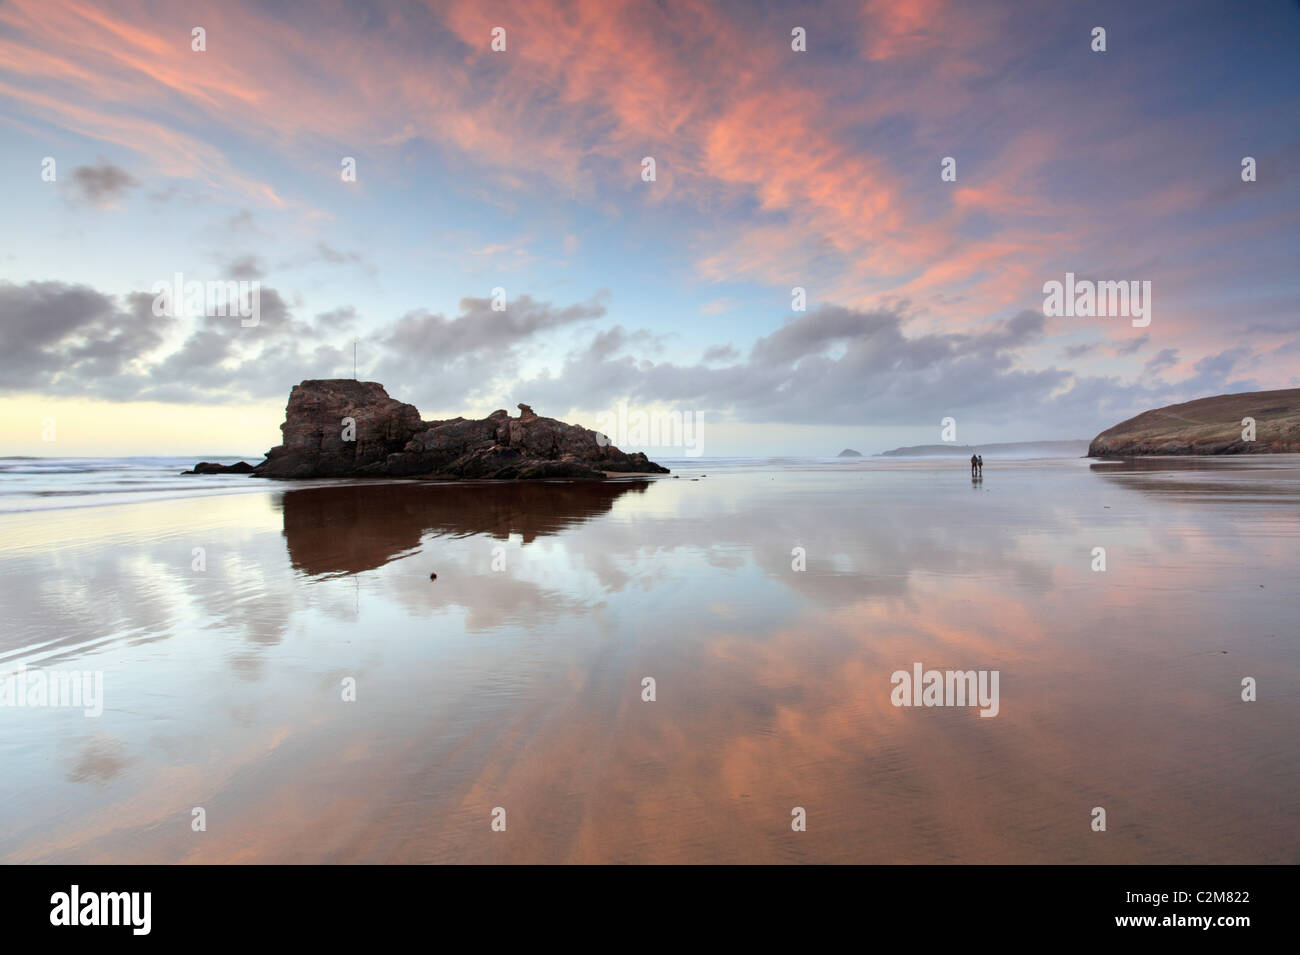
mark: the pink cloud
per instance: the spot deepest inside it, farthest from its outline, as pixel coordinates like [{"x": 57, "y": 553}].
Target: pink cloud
[{"x": 783, "y": 151}]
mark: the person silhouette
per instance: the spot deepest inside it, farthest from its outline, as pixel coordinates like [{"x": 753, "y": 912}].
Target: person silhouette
[
  {"x": 974, "y": 463},
  {"x": 979, "y": 463}
]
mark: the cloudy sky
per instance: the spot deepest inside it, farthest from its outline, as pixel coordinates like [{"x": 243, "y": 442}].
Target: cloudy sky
[{"x": 522, "y": 170}]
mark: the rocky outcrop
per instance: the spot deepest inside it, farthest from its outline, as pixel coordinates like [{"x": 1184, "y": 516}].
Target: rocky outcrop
[
  {"x": 346, "y": 428},
  {"x": 1209, "y": 426},
  {"x": 208, "y": 467},
  {"x": 338, "y": 427},
  {"x": 849, "y": 453}
]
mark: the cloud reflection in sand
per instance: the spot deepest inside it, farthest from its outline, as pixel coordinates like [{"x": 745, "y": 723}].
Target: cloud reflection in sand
[{"x": 520, "y": 687}]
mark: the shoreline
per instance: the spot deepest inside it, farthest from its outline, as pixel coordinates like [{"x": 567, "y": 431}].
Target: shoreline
[{"x": 89, "y": 489}]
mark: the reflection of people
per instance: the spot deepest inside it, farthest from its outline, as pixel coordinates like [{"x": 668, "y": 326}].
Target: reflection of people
[
  {"x": 979, "y": 463},
  {"x": 974, "y": 463}
]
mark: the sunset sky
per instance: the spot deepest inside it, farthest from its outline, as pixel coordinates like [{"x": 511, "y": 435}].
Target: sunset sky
[{"x": 522, "y": 170}]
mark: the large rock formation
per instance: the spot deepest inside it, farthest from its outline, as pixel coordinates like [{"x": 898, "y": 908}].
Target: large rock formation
[
  {"x": 387, "y": 438},
  {"x": 318, "y": 442},
  {"x": 1208, "y": 426}
]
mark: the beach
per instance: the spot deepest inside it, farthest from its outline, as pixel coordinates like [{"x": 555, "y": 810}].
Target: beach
[{"x": 231, "y": 627}]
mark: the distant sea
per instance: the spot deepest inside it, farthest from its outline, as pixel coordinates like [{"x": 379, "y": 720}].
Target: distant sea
[{"x": 33, "y": 484}]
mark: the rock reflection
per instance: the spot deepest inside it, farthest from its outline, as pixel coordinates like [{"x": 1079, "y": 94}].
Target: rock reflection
[
  {"x": 1238, "y": 477},
  {"x": 354, "y": 528}
]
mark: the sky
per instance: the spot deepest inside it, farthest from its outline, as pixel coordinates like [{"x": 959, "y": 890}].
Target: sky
[{"x": 128, "y": 156}]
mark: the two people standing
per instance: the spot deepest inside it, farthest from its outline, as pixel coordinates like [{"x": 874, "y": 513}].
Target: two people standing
[{"x": 977, "y": 465}]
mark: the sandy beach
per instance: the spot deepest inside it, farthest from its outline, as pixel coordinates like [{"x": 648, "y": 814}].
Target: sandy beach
[{"x": 515, "y": 680}]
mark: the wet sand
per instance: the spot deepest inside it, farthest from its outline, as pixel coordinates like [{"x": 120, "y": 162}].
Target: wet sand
[{"x": 515, "y": 679}]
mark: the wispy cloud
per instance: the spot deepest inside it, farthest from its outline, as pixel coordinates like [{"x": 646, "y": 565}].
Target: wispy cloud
[{"x": 775, "y": 169}]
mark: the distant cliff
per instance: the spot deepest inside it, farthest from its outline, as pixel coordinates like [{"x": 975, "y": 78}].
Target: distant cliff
[
  {"x": 1010, "y": 449},
  {"x": 1209, "y": 426},
  {"x": 339, "y": 427}
]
